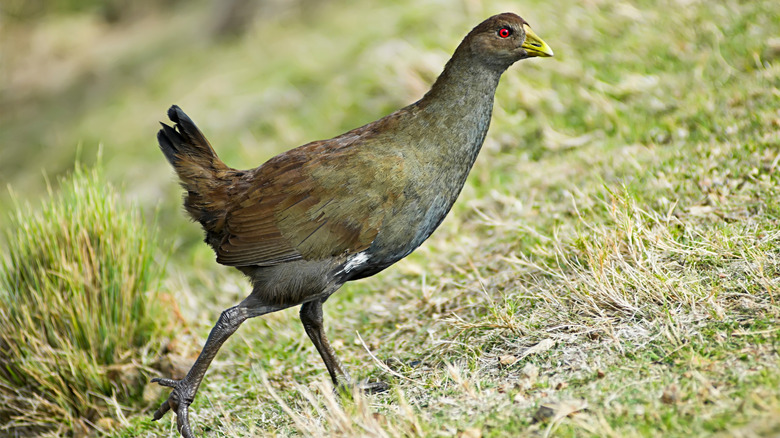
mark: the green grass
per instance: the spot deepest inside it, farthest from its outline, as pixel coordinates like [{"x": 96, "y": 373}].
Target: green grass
[
  {"x": 618, "y": 236},
  {"x": 78, "y": 286}
]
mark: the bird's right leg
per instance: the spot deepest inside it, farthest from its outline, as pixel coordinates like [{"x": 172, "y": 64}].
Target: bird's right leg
[
  {"x": 311, "y": 317},
  {"x": 184, "y": 390}
]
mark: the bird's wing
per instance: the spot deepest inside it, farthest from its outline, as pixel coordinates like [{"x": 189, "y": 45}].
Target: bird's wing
[{"x": 310, "y": 203}]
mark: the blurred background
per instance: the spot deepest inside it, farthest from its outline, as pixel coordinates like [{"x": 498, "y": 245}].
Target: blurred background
[
  {"x": 262, "y": 76},
  {"x": 258, "y": 76}
]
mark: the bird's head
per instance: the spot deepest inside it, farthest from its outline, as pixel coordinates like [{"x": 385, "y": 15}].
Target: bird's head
[{"x": 504, "y": 39}]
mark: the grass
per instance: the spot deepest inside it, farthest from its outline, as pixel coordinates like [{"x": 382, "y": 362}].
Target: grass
[
  {"x": 78, "y": 285},
  {"x": 611, "y": 268}
]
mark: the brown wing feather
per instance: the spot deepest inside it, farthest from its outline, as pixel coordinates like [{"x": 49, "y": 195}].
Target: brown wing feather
[
  {"x": 297, "y": 207},
  {"x": 251, "y": 235}
]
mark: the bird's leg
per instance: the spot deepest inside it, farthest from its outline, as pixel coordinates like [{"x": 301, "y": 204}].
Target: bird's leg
[
  {"x": 184, "y": 390},
  {"x": 311, "y": 317}
]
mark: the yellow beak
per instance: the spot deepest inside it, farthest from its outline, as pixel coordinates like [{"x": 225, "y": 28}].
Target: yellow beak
[{"x": 534, "y": 45}]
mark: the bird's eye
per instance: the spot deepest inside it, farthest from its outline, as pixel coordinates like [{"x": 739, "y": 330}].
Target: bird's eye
[{"x": 504, "y": 32}]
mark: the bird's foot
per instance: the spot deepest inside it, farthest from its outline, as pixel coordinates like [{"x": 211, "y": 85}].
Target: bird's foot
[
  {"x": 179, "y": 402},
  {"x": 370, "y": 388},
  {"x": 365, "y": 387}
]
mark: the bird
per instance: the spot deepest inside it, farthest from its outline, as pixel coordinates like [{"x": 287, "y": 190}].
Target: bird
[{"x": 331, "y": 211}]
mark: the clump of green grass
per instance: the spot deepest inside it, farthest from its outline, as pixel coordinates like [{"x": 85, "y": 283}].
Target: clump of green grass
[{"x": 75, "y": 288}]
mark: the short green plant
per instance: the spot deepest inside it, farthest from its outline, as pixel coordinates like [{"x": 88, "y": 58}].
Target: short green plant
[{"x": 75, "y": 288}]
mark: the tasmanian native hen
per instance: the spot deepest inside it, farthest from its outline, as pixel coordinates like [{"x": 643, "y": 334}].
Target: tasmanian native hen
[{"x": 331, "y": 211}]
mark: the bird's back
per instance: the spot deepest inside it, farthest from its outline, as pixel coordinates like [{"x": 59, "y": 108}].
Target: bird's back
[{"x": 372, "y": 195}]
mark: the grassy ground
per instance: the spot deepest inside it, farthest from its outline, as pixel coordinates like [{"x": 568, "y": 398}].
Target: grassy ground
[{"x": 611, "y": 268}]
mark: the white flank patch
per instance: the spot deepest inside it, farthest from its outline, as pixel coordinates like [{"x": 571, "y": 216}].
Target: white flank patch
[{"x": 356, "y": 261}]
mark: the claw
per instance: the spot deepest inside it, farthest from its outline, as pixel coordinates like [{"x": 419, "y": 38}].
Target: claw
[
  {"x": 177, "y": 403},
  {"x": 171, "y": 402}
]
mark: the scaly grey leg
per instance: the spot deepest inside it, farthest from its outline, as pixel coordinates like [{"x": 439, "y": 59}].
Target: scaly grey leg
[
  {"x": 184, "y": 390},
  {"x": 311, "y": 317}
]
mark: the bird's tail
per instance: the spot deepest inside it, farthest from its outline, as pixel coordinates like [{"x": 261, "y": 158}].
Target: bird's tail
[
  {"x": 200, "y": 170},
  {"x": 183, "y": 144}
]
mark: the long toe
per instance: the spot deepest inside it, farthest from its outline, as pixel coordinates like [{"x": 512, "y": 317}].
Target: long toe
[
  {"x": 173, "y": 398},
  {"x": 373, "y": 387},
  {"x": 170, "y": 383},
  {"x": 364, "y": 387},
  {"x": 162, "y": 410},
  {"x": 183, "y": 422}
]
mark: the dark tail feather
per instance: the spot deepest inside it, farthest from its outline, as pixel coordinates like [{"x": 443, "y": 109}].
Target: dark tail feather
[
  {"x": 199, "y": 169},
  {"x": 167, "y": 147},
  {"x": 184, "y": 140}
]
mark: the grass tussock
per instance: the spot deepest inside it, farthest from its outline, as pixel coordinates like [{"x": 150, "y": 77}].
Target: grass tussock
[{"x": 75, "y": 286}]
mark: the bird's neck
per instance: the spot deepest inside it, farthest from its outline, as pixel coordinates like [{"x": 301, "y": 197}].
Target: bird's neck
[
  {"x": 465, "y": 81},
  {"x": 458, "y": 108}
]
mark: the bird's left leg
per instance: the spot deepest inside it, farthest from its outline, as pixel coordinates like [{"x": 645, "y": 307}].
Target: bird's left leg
[
  {"x": 311, "y": 317},
  {"x": 184, "y": 390}
]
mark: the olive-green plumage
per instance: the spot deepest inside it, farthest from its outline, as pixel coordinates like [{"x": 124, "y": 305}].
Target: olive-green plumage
[{"x": 331, "y": 211}]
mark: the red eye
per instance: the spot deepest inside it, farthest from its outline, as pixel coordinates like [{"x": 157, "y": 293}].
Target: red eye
[{"x": 504, "y": 32}]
